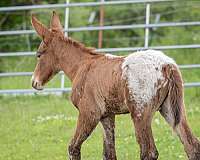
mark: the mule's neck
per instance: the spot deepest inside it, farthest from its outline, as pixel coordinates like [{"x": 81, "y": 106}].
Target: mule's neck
[{"x": 72, "y": 58}]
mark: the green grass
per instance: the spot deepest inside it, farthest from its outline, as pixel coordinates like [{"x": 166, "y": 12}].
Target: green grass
[{"x": 40, "y": 127}]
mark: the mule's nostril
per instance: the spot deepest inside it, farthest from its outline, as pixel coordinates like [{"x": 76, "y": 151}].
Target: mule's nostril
[
  {"x": 32, "y": 84},
  {"x": 37, "y": 85}
]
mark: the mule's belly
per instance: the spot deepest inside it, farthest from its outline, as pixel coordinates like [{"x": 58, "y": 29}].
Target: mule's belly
[
  {"x": 114, "y": 109},
  {"x": 121, "y": 110},
  {"x": 116, "y": 105}
]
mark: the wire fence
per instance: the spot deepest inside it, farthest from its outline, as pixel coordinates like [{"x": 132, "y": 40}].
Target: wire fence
[{"x": 68, "y": 5}]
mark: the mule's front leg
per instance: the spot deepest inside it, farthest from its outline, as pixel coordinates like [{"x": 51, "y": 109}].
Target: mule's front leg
[
  {"x": 108, "y": 124},
  {"x": 85, "y": 125}
]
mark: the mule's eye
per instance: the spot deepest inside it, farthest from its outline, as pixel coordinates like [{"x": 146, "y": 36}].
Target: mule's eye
[{"x": 38, "y": 54}]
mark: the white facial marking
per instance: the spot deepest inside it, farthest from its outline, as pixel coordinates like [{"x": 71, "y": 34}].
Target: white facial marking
[
  {"x": 143, "y": 70},
  {"x": 35, "y": 79},
  {"x": 111, "y": 56}
]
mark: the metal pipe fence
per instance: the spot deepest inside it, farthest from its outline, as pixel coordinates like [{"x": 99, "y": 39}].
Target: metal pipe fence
[
  {"x": 15, "y": 74},
  {"x": 102, "y": 50},
  {"x": 116, "y": 27},
  {"x": 84, "y": 4},
  {"x": 62, "y": 90},
  {"x": 67, "y": 5}
]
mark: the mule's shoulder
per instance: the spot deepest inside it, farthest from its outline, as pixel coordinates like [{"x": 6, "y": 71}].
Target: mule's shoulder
[{"x": 78, "y": 84}]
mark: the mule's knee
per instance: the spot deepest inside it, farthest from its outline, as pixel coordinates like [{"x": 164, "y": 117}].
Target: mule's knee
[
  {"x": 74, "y": 152},
  {"x": 153, "y": 155}
]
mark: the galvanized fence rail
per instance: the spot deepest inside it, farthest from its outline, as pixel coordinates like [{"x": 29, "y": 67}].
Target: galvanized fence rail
[
  {"x": 82, "y": 4},
  {"x": 116, "y": 27},
  {"x": 67, "y": 6}
]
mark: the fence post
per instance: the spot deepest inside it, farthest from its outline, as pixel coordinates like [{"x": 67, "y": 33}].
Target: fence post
[
  {"x": 146, "y": 42},
  {"x": 66, "y": 34},
  {"x": 101, "y": 23}
]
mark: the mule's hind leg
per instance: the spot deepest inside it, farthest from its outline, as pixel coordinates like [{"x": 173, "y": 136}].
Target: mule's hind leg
[
  {"x": 190, "y": 142},
  {"x": 143, "y": 131},
  {"x": 108, "y": 124}
]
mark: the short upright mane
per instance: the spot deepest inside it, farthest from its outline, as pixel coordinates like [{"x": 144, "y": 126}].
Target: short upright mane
[{"x": 81, "y": 46}]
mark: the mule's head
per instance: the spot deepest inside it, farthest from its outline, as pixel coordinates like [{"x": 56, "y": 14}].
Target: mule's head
[{"x": 47, "y": 57}]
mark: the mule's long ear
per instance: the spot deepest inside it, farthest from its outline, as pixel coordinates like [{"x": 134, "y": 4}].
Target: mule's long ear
[
  {"x": 41, "y": 29},
  {"x": 55, "y": 22}
]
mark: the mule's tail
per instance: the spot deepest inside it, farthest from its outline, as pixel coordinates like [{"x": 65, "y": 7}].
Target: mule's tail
[
  {"x": 176, "y": 94},
  {"x": 173, "y": 110}
]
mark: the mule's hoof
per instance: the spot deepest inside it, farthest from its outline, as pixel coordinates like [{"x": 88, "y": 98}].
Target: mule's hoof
[
  {"x": 74, "y": 153},
  {"x": 195, "y": 156},
  {"x": 105, "y": 157},
  {"x": 74, "y": 157},
  {"x": 150, "y": 156}
]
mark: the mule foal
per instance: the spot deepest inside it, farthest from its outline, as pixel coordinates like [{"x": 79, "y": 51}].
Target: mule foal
[{"x": 105, "y": 85}]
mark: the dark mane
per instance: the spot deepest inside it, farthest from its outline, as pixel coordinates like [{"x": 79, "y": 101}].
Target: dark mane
[{"x": 81, "y": 46}]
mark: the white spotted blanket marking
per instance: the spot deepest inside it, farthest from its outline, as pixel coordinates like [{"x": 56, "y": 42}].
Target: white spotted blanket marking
[{"x": 143, "y": 70}]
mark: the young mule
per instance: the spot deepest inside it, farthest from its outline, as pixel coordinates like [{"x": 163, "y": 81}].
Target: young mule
[{"x": 105, "y": 85}]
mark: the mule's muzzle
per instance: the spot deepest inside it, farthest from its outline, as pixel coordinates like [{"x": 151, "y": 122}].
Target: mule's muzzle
[{"x": 37, "y": 85}]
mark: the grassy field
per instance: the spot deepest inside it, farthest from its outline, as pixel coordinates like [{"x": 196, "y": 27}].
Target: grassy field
[{"x": 40, "y": 127}]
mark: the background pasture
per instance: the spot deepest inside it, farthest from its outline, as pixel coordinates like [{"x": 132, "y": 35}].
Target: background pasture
[{"x": 40, "y": 126}]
